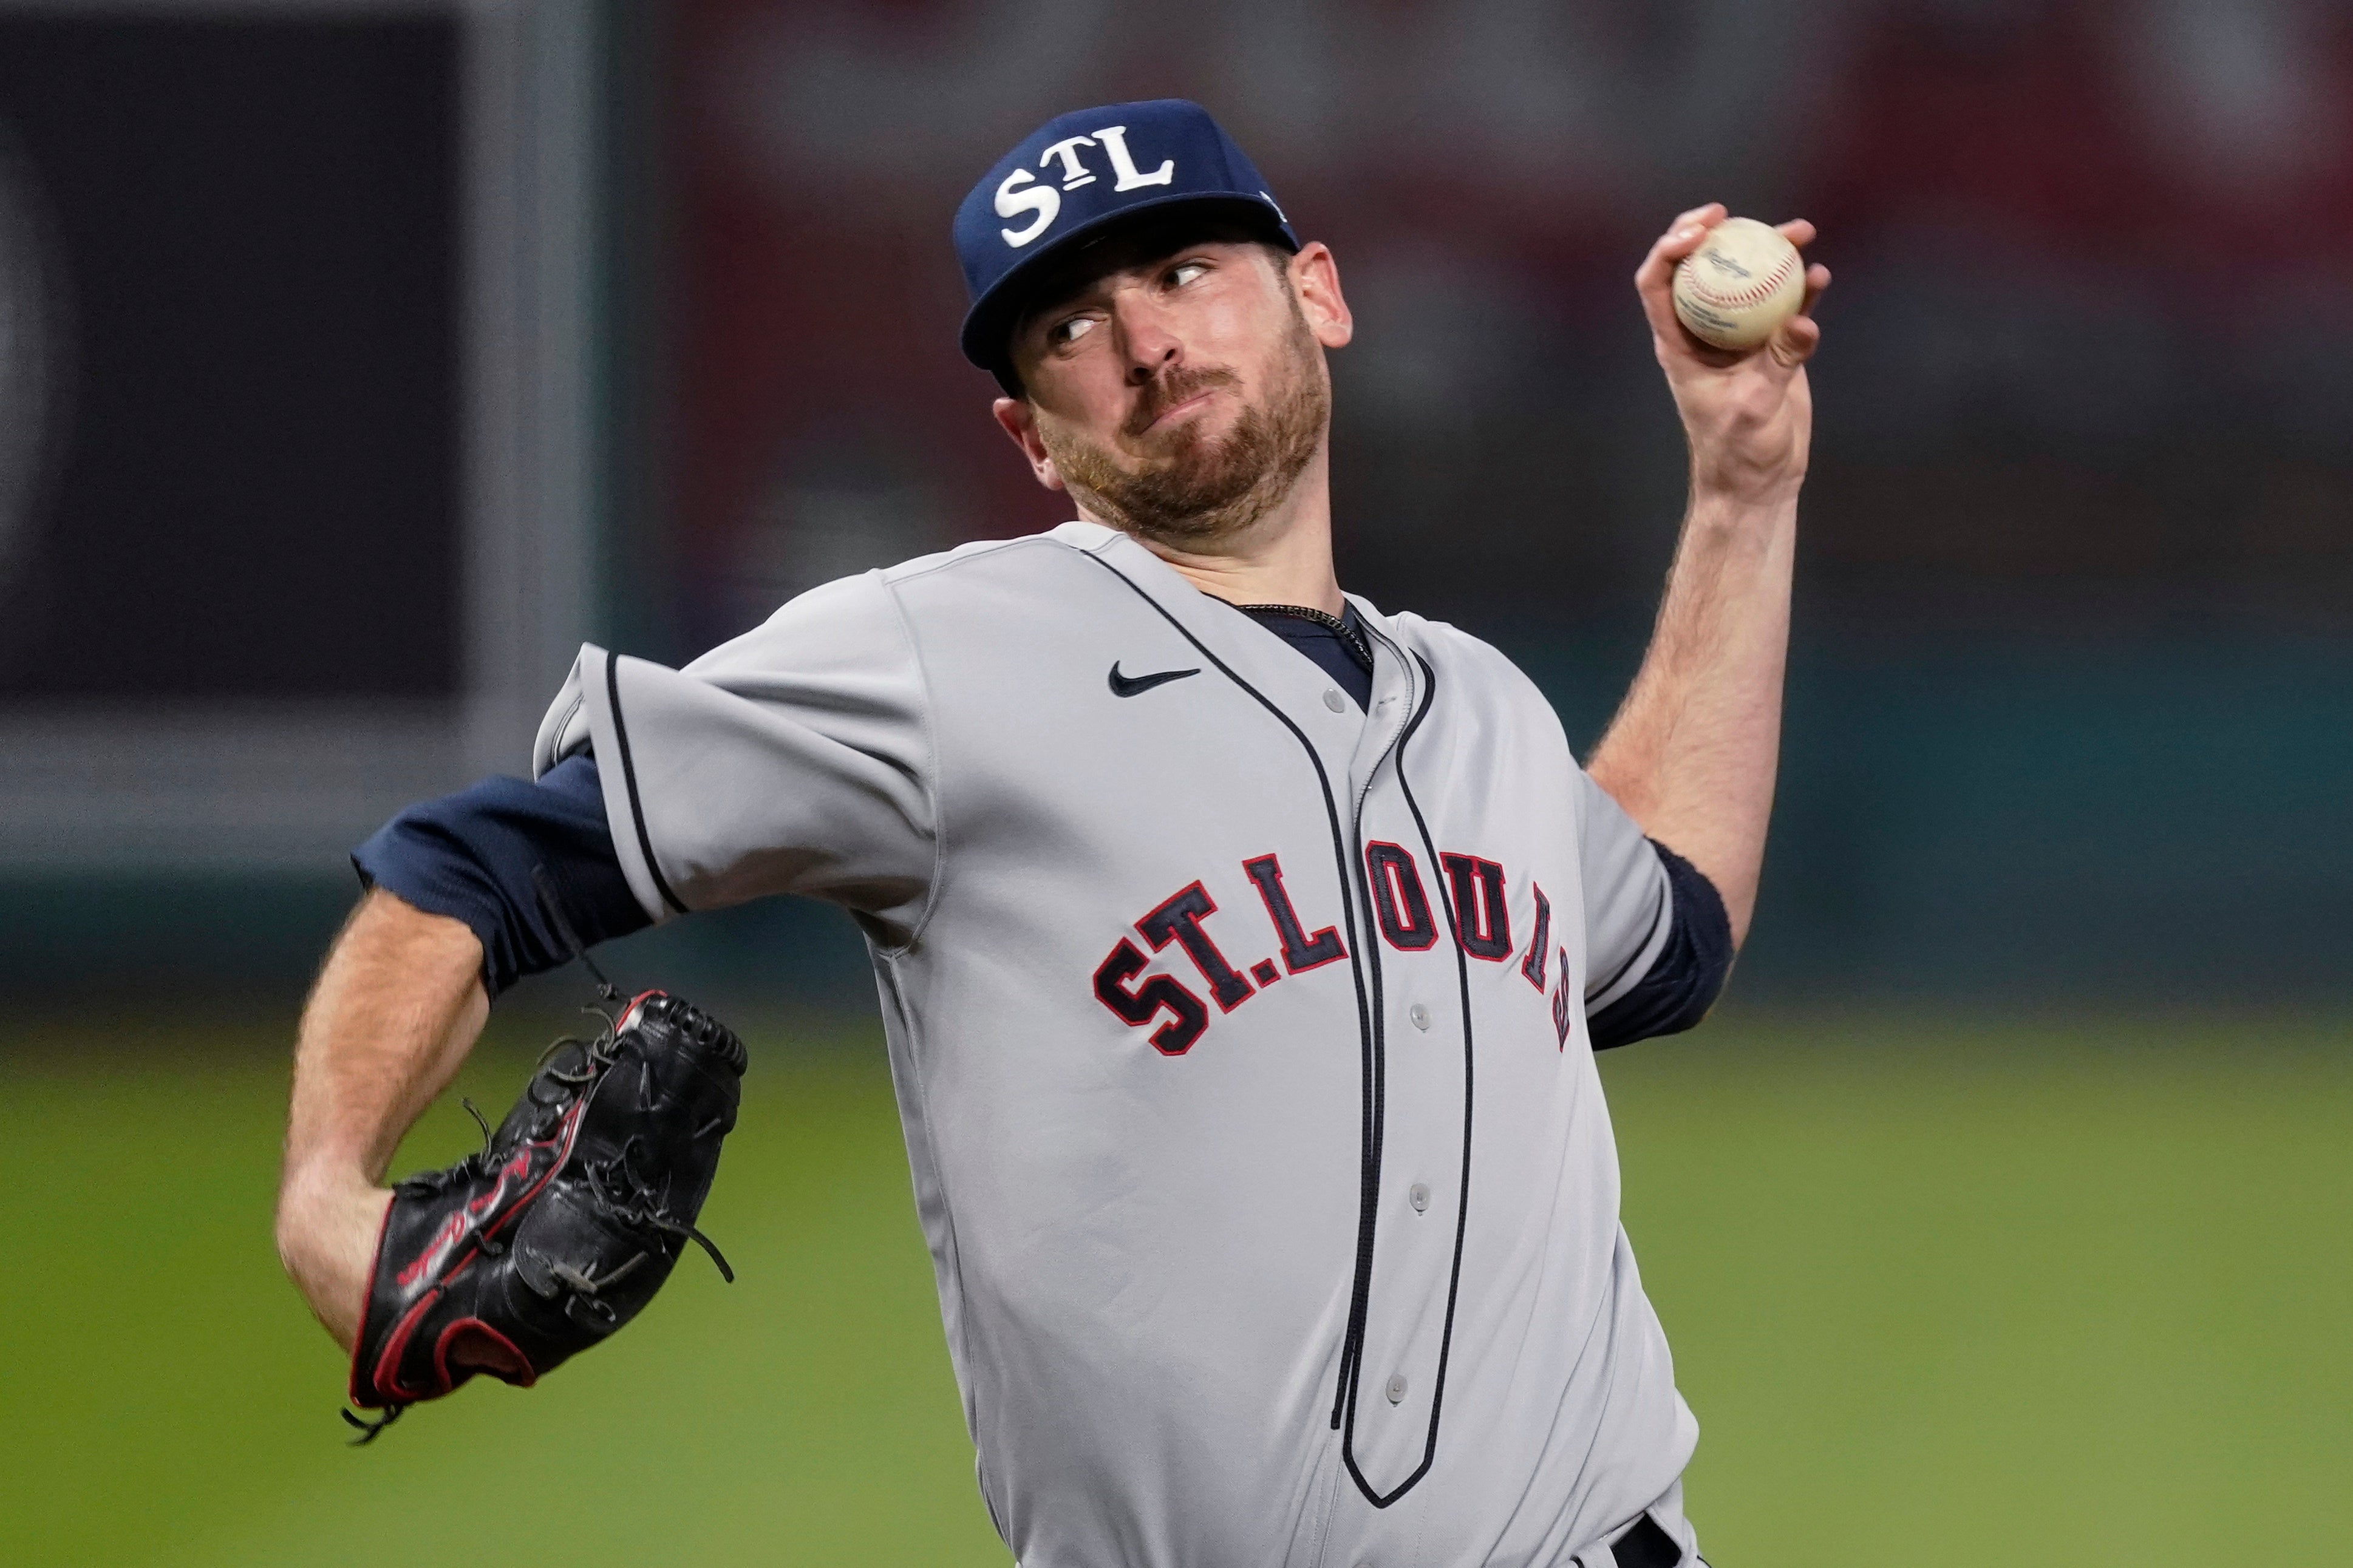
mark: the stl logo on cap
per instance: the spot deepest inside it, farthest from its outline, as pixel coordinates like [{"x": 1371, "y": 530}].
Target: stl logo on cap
[
  {"x": 1075, "y": 174},
  {"x": 1045, "y": 202}
]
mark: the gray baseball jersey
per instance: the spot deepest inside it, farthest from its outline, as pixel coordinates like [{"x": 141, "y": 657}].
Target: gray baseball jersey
[{"x": 1238, "y": 1038}]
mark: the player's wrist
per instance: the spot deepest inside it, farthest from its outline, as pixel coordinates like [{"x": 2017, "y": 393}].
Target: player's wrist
[
  {"x": 1745, "y": 466},
  {"x": 315, "y": 1186},
  {"x": 327, "y": 1223},
  {"x": 1741, "y": 506}
]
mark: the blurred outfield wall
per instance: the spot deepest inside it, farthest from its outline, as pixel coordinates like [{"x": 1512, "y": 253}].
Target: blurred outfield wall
[{"x": 2072, "y": 689}]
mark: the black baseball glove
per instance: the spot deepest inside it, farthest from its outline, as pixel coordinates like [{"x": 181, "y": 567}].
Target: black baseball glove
[{"x": 565, "y": 1224}]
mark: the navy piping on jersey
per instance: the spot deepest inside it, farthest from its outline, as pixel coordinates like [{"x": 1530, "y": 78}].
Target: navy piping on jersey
[
  {"x": 1463, "y": 985},
  {"x": 1661, "y": 908},
  {"x": 1351, "y": 1356},
  {"x": 629, "y": 777},
  {"x": 1376, "y": 1121}
]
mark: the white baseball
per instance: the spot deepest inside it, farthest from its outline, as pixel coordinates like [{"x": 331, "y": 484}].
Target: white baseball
[{"x": 1740, "y": 285}]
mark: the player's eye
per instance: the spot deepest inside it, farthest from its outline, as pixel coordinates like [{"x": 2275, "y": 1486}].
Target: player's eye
[
  {"x": 1185, "y": 272},
  {"x": 1062, "y": 334}
]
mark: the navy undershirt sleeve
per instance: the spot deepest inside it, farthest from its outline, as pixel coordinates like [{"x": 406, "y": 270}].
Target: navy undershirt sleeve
[
  {"x": 470, "y": 856},
  {"x": 1687, "y": 976}
]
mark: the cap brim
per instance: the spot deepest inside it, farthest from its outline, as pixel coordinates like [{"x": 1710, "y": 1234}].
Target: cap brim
[{"x": 988, "y": 324}]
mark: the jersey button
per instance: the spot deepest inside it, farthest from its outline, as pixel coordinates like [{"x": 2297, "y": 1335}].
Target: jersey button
[
  {"x": 1333, "y": 700},
  {"x": 1397, "y": 1388},
  {"x": 1419, "y": 1014},
  {"x": 1419, "y": 1196}
]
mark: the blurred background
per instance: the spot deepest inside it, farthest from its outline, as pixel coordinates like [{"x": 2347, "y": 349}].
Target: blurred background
[{"x": 359, "y": 358}]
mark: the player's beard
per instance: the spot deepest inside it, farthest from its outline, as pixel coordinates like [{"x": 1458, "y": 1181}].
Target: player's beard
[{"x": 1201, "y": 489}]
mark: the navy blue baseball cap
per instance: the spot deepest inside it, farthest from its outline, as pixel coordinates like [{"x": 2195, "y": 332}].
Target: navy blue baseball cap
[{"x": 1075, "y": 175}]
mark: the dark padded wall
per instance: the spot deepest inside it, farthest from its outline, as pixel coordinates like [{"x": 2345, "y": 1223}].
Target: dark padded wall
[{"x": 252, "y": 485}]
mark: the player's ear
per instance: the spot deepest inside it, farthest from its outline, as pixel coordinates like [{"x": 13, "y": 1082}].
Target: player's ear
[
  {"x": 1315, "y": 277},
  {"x": 1018, "y": 417}
]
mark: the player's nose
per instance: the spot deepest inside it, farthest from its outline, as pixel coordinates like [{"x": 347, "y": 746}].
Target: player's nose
[
  {"x": 1141, "y": 371},
  {"x": 1148, "y": 342}
]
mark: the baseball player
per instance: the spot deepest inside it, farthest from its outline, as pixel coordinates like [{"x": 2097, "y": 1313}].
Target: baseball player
[{"x": 1242, "y": 948}]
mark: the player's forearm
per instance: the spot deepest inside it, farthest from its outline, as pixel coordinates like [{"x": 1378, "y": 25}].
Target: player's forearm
[
  {"x": 1691, "y": 753},
  {"x": 395, "y": 1009}
]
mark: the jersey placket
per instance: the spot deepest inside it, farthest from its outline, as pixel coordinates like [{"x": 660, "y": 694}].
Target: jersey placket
[{"x": 1417, "y": 1095}]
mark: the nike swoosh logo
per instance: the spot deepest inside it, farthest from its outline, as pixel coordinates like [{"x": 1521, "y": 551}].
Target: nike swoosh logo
[{"x": 1130, "y": 685}]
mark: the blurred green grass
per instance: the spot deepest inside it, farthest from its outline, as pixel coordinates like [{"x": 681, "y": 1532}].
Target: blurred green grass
[{"x": 2032, "y": 1293}]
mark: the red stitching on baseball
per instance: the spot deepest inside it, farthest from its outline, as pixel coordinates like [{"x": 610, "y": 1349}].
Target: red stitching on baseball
[{"x": 1754, "y": 295}]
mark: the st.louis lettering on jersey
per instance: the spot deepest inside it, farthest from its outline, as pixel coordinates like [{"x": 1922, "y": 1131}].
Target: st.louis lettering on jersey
[{"x": 1478, "y": 897}]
